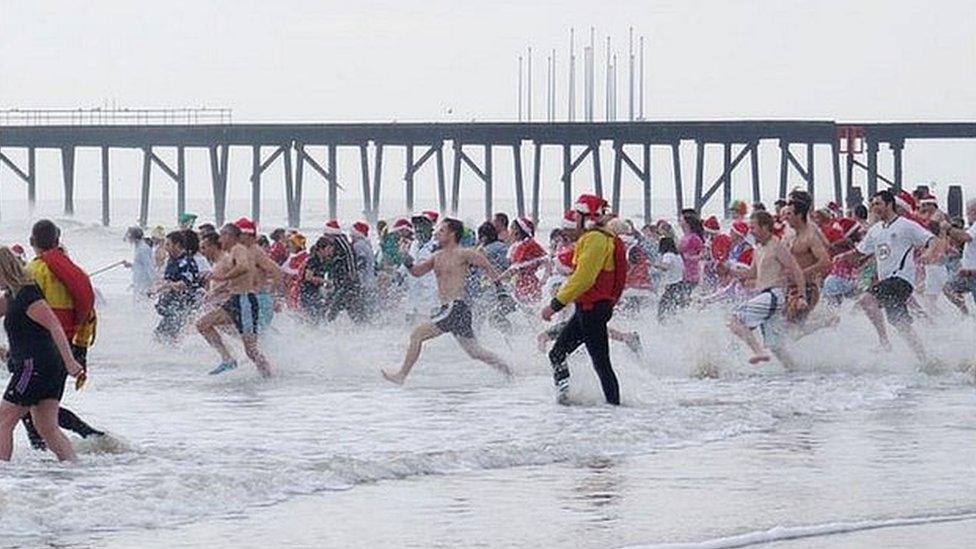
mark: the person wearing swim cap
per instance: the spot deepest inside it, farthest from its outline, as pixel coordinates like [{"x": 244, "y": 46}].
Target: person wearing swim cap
[{"x": 600, "y": 260}]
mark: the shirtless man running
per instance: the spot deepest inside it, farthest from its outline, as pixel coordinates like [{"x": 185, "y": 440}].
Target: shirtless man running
[
  {"x": 450, "y": 264},
  {"x": 241, "y": 307},
  {"x": 807, "y": 247},
  {"x": 267, "y": 276},
  {"x": 773, "y": 267}
]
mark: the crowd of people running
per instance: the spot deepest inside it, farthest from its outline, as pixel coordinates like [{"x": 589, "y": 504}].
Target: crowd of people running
[{"x": 782, "y": 272}]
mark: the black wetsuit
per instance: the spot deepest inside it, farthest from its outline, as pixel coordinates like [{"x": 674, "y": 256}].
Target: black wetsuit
[{"x": 587, "y": 328}]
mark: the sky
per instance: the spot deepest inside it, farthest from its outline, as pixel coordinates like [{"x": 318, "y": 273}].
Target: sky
[{"x": 434, "y": 60}]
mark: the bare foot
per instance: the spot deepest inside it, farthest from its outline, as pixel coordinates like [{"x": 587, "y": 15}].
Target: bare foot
[
  {"x": 758, "y": 359},
  {"x": 393, "y": 378}
]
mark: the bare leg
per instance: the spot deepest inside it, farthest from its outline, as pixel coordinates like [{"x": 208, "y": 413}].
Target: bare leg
[
  {"x": 542, "y": 340},
  {"x": 906, "y": 331},
  {"x": 959, "y": 300},
  {"x": 207, "y": 326},
  {"x": 10, "y": 414},
  {"x": 477, "y": 352},
  {"x": 45, "y": 417},
  {"x": 631, "y": 339},
  {"x": 254, "y": 353},
  {"x": 870, "y": 306},
  {"x": 785, "y": 358},
  {"x": 420, "y": 334},
  {"x": 746, "y": 335}
]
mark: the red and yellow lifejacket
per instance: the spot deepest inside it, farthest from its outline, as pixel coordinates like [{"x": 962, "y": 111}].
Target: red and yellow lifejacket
[{"x": 68, "y": 290}]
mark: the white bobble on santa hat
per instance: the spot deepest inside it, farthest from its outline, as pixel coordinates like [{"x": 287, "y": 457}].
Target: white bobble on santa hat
[{"x": 332, "y": 228}]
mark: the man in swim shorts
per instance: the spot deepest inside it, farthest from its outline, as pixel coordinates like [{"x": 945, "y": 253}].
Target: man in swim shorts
[{"x": 450, "y": 264}]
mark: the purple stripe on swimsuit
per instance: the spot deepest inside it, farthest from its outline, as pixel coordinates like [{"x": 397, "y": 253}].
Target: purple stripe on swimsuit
[{"x": 25, "y": 375}]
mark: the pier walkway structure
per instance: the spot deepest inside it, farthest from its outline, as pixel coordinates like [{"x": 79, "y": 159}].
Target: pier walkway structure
[{"x": 305, "y": 148}]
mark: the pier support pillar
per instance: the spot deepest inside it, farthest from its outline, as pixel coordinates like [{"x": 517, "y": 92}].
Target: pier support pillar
[
  {"x": 105, "y": 187},
  {"x": 597, "y": 169},
  {"x": 647, "y": 182},
  {"x": 872, "y": 147},
  {"x": 567, "y": 178},
  {"x": 256, "y": 183},
  {"x": 218, "y": 173},
  {"x": 726, "y": 179},
  {"x": 754, "y": 168},
  {"x": 676, "y": 170},
  {"x": 441, "y": 182},
  {"x": 144, "y": 197},
  {"x": 699, "y": 173},
  {"x": 333, "y": 183},
  {"x": 489, "y": 183},
  {"x": 180, "y": 181},
  {"x": 896, "y": 150},
  {"x": 811, "y": 182},
  {"x": 377, "y": 177},
  {"x": 536, "y": 177},
  {"x": 456, "y": 183},
  {"x": 784, "y": 153},
  {"x": 835, "y": 164},
  {"x": 364, "y": 170},
  {"x": 68, "y": 168},
  {"x": 31, "y": 179},
  {"x": 519, "y": 185},
  {"x": 408, "y": 179}
]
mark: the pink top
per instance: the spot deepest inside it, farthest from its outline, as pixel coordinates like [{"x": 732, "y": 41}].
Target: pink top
[{"x": 691, "y": 249}]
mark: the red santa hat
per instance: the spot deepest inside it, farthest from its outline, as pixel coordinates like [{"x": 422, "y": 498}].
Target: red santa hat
[
  {"x": 431, "y": 215},
  {"x": 745, "y": 258},
  {"x": 590, "y": 205},
  {"x": 833, "y": 232},
  {"x": 848, "y": 226},
  {"x": 527, "y": 226},
  {"x": 930, "y": 200},
  {"x": 18, "y": 250},
  {"x": 711, "y": 225},
  {"x": 740, "y": 227},
  {"x": 361, "y": 228},
  {"x": 403, "y": 224},
  {"x": 905, "y": 201},
  {"x": 332, "y": 228},
  {"x": 721, "y": 246},
  {"x": 246, "y": 226},
  {"x": 569, "y": 220}
]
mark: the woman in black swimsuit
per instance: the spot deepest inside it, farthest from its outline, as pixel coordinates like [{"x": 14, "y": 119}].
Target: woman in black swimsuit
[{"x": 39, "y": 360}]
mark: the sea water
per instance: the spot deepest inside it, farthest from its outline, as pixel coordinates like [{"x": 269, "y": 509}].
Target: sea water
[{"x": 189, "y": 449}]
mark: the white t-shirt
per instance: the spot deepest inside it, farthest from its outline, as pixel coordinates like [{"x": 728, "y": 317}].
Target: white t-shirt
[
  {"x": 675, "y": 268},
  {"x": 969, "y": 250},
  {"x": 892, "y": 246}
]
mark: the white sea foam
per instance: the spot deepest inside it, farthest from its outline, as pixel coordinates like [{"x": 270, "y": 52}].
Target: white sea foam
[{"x": 784, "y": 533}]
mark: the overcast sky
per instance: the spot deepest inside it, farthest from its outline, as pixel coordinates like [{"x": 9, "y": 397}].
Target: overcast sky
[{"x": 418, "y": 60}]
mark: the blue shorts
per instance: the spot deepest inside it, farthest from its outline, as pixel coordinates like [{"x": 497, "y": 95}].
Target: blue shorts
[
  {"x": 244, "y": 310},
  {"x": 265, "y": 310}
]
